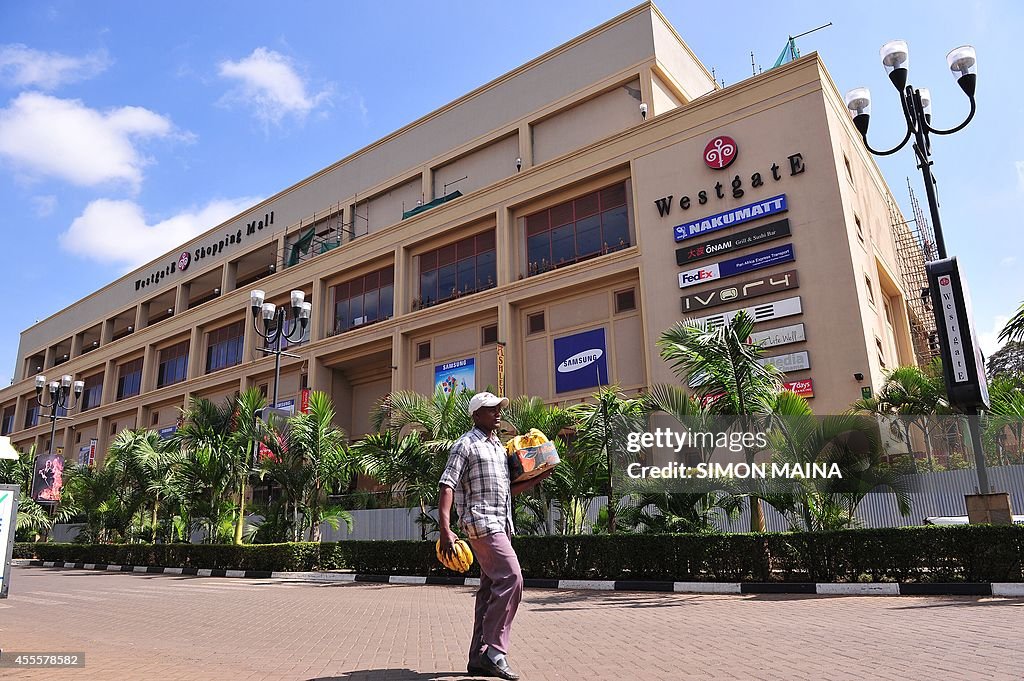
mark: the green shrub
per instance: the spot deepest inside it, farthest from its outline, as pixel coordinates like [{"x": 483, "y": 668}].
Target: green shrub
[{"x": 974, "y": 553}]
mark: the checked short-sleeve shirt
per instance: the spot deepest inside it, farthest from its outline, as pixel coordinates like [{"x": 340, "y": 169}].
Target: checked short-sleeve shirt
[{"x": 477, "y": 471}]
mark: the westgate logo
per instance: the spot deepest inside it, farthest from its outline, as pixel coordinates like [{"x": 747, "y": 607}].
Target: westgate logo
[
  {"x": 733, "y": 242},
  {"x": 720, "y": 152},
  {"x": 580, "y": 360},
  {"x": 736, "y": 216},
  {"x": 742, "y": 291}
]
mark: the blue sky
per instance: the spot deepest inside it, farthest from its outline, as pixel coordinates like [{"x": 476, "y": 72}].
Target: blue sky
[{"x": 126, "y": 128}]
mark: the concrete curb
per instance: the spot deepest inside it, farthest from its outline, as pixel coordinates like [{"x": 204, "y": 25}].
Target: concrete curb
[{"x": 1011, "y": 589}]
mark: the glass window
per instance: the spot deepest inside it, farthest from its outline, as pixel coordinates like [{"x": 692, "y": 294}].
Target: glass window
[
  {"x": 93, "y": 392},
  {"x": 7, "y": 425},
  {"x": 32, "y": 413},
  {"x": 465, "y": 267},
  {"x": 371, "y": 305},
  {"x": 173, "y": 364},
  {"x": 465, "y": 275},
  {"x": 363, "y": 300},
  {"x": 588, "y": 225},
  {"x": 129, "y": 379},
  {"x": 224, "y": 347},
  {"x": 486, "y": 270}
]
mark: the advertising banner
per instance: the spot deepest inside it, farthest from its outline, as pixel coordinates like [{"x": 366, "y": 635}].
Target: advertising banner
[
  {"x": 752, "y": 288},
  {"x": 963, "y": 365},
  {"x": 786, "y": 307},
  {"x": 804, "y": 388},
  {"x": 736, "y": 216},
  {"x": 8, "y": 523},
  {"x": 499, "y": 353},
  {"x": 794, "y": 333},
  {"x": 455, "y": 376},
  {"x": 304, "y": 400},
  {"x": 287, "y": 406},
  {"x": 166, "y": 433},
  {"x": 48, "y": 478},
  {"x": 739, "y": 265},
  {"x": 793, "y": 361},
  {"x": 734, "y": 242},
  {"x": 581, "y": 361}
]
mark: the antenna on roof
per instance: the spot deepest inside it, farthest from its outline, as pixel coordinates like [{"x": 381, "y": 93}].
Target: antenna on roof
[{"x": 790, "y": 51}]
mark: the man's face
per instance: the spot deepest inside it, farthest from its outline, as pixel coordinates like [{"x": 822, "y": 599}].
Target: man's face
[{"x": 487, "y": 418}]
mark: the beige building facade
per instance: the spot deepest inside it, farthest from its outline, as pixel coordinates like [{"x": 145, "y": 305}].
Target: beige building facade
[{"x": 565, "y": 215}]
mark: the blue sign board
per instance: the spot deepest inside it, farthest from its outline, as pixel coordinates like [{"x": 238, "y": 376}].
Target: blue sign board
[
  {"x": 458, "y": 375},
  {"x": 734, "y": 266},
  {"x": 581, "y": 361},
  {"x": 166, "y": 433},
  {"x": 736, "y": 216}
]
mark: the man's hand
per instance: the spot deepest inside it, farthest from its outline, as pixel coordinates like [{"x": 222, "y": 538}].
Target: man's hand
[
  {"x": 448, "y": 540},
  {"x": 520, "y": 487}
]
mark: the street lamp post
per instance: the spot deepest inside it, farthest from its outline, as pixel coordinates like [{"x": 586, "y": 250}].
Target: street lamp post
[
  {"x": 917, "y": 111},
  {"x": 963, "y": 367},
  {"x": 63, "y": 395},
  {"x": 272, "y": 331}
]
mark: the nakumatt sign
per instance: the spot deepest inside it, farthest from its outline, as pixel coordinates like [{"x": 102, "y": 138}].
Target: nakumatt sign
[
  {"x": 739, "y": 265},
  {"x": 735, "y": 216},
  {"x": 752, "y": 288}
]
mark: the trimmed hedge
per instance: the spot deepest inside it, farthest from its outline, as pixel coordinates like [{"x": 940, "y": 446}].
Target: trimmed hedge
[{"x": 973, "y": 553}]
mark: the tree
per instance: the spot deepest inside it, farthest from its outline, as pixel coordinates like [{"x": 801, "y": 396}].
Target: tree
[
  {"x": 910, "y": 396},
  {"x": 1006, "y": 415},
  {"x": 730, "y": 379},
  {"x": 404, "y": 465},
  {"x": 1014, "y": 329},
  {"x": 1007, "y": 362}
]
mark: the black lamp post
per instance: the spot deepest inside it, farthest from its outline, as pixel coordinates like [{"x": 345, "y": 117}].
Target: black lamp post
[
  {"x": 917, "y": 110},
  {"x": 272, "y": 330},
  {"x": 963, "y": 367},
  {"x": 63, "y": 395}
]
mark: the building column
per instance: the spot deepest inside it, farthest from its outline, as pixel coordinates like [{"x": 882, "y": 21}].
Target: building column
[
  {"x": 400, "y": 361},
  {"x": 109, "y": 392},
  {"x": 195, "y": 352},
  {"x": 149, "y": 368},
  {"x": 403, "y": 292},
  {"x": 229, "y": 277},
  {"x": 505, "y": 246},
  {"x": 51, "y": 357},
  {"x": 318, "y": 315},
  {"x": 20, "y": 407},
  {"x": 141, "y": 316},
  {"x": 508, "y": 334},
  {"x": 106, "y": 331},
  {"x": 76, "y": 346},
  {"x": 647, "y": 92},
  {"x": 427, "y": 184},
  {"x": 526, "y": 144},
  {"x": 319, "y": 376},
  {"x": 181, "y": 297},
  {"x": 103, "y": 437}
]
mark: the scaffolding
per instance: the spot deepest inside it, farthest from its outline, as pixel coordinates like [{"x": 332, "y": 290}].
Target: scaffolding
[{"x": 915, "y": 246}]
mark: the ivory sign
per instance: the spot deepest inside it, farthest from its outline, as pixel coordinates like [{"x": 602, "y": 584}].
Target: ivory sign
[{"x": 753, "y": 288}]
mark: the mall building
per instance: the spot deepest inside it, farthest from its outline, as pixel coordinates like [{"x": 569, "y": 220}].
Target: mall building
[{"x": 559, "y": 218}]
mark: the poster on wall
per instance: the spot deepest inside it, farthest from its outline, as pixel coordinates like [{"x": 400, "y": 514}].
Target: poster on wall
[
  {"x": 8, "y": 522},
  {"x": 456, "y": 376},
  {"x": 499, "y": 353},
  {"x": 581, "y": 361},
  {"x": 48, "y": 478}
]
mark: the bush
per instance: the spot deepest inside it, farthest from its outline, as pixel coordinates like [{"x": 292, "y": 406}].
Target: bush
[{"x": 973, "y": 553}]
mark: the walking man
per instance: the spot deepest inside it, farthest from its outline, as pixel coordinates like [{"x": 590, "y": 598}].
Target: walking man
[{"x": 477, "y": 478}]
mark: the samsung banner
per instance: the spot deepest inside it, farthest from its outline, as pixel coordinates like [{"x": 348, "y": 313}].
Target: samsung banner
[
  {"x": 786, "y": 307},
  {"x": 736, "y": 216},
  {"x": 8, "y": 522},
  {"x": 734, "y": 242},
  {"x": 581, "y": 361},
  {"x": 739, "y": 265},
  {"x": 455, "y": 376}
]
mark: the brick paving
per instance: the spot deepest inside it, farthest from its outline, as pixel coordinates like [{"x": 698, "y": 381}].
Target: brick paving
[{"x": 137, "y": 626}]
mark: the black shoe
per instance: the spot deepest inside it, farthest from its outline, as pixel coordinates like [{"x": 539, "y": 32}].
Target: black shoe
[
  {"x": 474, "y": 667},
  {"x": 501, "y": 670}
]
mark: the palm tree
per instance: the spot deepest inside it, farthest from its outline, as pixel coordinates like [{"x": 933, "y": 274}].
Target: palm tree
[
  {"x": 249, "y": 432},
  {"x": 603, "y": 429},
  {"x": 1014, "y": 329},
  {"x": 1006, "y": 413},
  {"x": 731, "y": 379},
  {"x": 574, "y": 483},
  {"x": 320, "y": 450},
  {"x": 851, "y": 442},
  {"x": 405, "y": 465},
  {"x": 910, "y": 396}
]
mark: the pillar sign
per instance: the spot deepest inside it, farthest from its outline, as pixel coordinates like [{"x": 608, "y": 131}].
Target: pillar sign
[
  {"x": 963, "y": 366},
  {"x": 500, "y": 355}
]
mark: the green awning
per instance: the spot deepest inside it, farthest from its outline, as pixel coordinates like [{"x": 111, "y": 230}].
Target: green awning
[
  {"x": 427, "y": 206},
  {"x": 300, "y": 246}
]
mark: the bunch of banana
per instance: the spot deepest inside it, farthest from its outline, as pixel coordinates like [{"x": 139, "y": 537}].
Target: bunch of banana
[
  {"x": 459, "y": 559},
  {"x": 532, "y": 438}
]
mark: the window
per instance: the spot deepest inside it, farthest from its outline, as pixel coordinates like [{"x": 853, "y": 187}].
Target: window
[
  {"x": 78, "y": 437},
  {"x": 591, "y": 225},
  {"x": 173, "y": 364},
  {"x": 881, "y": 352},
  {"x": 32, "y": 413},
  {"x": 489, "y": 334},
  {"x": 7, "y": 423},
  {"x": 364, "y": 300},
  {"x": 155, "y": 419},
  {"x": 888, "y": 312},
  {"x": 93, "y": 392},
  {"x": 457, "y": 269},
  {"x": 129, "y": 379},
  {"x": 113, "y": 427},
  {"x": 224, "y": 346},
  {"x": 625, "y": 300},
  {"x": 289, "y": 324},
  {"x": 422, "y": 351},
  {"x": 860, "y": 229},
  {"x": 870, "y": 289},
  {"x": 535, "y": 322},
  {"x": 849, "y": 170}
]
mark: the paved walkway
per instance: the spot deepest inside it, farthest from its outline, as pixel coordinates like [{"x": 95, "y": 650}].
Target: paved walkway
[{"x": 137, "y": 626}]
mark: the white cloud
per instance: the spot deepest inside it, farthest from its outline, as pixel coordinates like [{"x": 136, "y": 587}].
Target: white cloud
[
  {"x": 115, "y": 232},
  {"x": 989, "y": 340},
  {"x": 1020, "y": 175},
  {"x": 44, "y": 205},
  {"x": 1008, "y": 261},
  {"x": 47, "y": 136},
  {"x": 23, "y": 66},
  {"x": 269, "y": 84}
]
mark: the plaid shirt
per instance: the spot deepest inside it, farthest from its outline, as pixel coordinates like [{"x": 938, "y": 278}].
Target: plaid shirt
[{"x": 477, "y": 471}]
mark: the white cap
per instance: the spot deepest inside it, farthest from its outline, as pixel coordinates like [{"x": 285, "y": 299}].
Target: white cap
[{"x": 486, "y": 400}]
